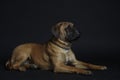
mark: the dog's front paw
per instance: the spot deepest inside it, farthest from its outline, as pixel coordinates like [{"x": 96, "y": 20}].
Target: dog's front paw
[
  {"x": 103, "y": 67},
  {"x": 88, "y": 73},
  {"x": 85, "y": 72}
]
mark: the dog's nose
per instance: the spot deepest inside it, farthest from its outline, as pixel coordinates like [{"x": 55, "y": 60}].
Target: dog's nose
[{"x": 77, "y": 32}]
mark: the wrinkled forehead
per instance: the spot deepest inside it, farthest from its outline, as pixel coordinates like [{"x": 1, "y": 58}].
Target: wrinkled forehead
[{"x": 65, "y": 24}]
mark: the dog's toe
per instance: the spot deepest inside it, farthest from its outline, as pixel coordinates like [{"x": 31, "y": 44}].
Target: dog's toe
[
  {"x": 103, "y": 68},
  {"x": 88, "y": 73}
]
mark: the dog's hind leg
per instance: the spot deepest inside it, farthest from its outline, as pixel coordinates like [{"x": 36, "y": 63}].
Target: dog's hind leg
[{"x": 17, "y": 63}]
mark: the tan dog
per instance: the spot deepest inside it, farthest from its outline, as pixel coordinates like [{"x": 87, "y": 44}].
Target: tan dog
[{"x": 56, "y": 54}]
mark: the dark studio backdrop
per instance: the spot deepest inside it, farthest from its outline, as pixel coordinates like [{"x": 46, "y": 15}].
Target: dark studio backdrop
[{"x": 24, "y": 21}]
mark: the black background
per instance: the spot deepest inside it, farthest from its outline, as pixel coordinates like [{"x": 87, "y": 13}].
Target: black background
[{"x": 24, "y": 21}]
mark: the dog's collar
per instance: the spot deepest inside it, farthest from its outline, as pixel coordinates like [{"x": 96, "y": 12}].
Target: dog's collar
[{"x": 67, "y": 47}]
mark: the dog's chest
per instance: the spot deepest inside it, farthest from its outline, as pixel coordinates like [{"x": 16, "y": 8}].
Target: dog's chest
[
  {"x": 66, "y": 56},
  {"x": 66, "y": 51}
]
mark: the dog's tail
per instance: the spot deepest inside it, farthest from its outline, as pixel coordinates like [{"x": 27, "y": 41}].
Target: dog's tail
[{"x": 9, "y": 64}]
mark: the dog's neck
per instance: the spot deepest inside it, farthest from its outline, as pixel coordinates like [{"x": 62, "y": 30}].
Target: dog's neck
[{"x": 60, "y": 43}]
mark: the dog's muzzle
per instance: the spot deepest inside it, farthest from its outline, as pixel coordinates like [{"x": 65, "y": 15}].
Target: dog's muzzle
[{"x": 72, "y": 34}]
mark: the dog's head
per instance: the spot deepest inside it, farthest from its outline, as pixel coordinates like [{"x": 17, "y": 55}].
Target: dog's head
[{"x": 65, "y": 31}]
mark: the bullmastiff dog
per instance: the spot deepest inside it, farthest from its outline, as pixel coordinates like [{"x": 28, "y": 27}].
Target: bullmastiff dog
[{"x": 56, "y": 54}]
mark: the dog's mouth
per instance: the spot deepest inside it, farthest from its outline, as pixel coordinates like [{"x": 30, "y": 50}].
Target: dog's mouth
[{"x": 72, "y": 38}]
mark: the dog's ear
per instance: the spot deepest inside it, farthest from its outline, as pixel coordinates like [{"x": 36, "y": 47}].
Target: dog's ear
[{"x": 56, "y": 30}]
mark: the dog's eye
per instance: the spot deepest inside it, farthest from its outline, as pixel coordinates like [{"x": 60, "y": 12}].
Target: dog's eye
[{"x": 68, "y": 28}]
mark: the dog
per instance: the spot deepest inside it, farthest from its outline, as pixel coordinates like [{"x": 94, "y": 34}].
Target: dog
[{"x": 55, "y": 54}]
